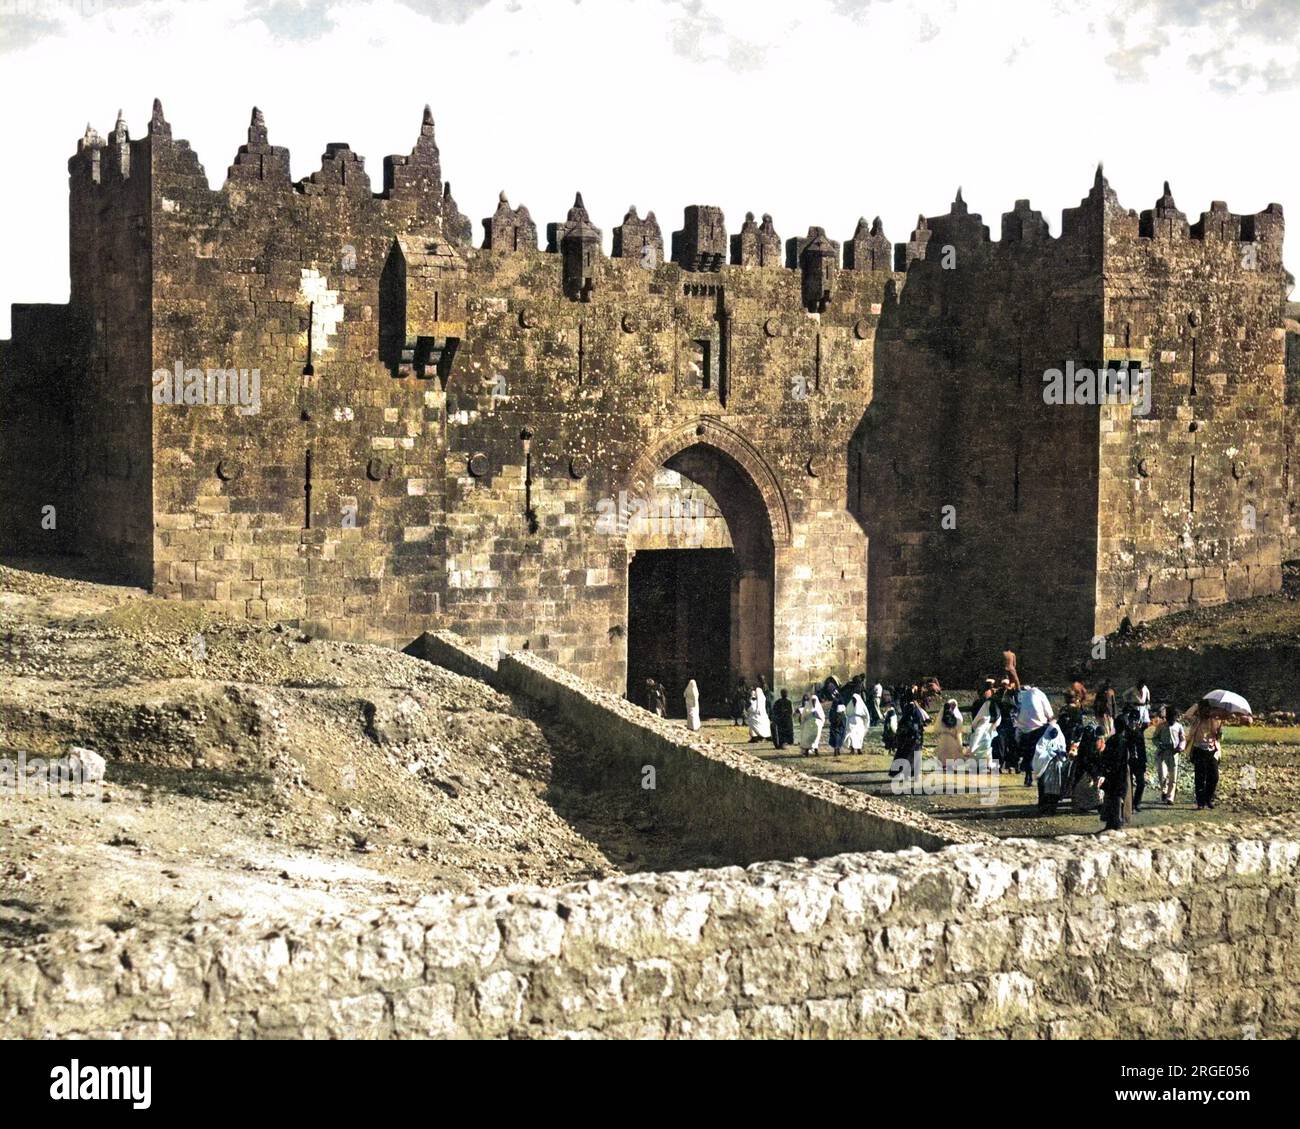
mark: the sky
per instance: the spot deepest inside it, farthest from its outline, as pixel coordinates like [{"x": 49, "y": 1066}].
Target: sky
[{"x": 817, "y": 111}]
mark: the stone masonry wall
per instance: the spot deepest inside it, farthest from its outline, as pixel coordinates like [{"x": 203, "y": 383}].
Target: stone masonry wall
[
  {"x": 979, "y": 498},
  {"x": 1063, "y": 518},
  {"x": 724, "y": 801},
  {"x": 1155, "y": 934},
  {"x": 1193, "y": 506},
  {"x": 443, "y": 428},
  {"x": 467, "y": 414}
]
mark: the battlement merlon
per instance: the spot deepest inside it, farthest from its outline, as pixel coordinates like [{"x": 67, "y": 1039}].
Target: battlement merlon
[{"x": 114, "y": 163}]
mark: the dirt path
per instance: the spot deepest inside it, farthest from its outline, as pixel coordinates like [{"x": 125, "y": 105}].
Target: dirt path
[{"x": 1259, "y": 775}]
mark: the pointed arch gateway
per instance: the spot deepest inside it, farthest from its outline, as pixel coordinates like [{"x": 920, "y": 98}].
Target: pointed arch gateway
[{"x": 703, "y": 608}]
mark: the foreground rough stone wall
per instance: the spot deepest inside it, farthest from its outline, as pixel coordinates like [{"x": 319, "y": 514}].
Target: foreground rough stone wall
[
  {"x": 721, "y": 800},
  {"x": 1163, "y": 933}
]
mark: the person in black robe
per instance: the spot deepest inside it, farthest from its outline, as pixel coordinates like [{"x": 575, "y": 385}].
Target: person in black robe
[
  {"x": 1071, "y": 719},
  {"x": 910, "y": 738},
  {"x": 1085, "y": 768},
  {"x": 837, "y": 723},
  {"x": 739, "y": 702},
  {"x": 783, "y": 721},
  {"x": 1008, "y": 745},
  {"x": 1118, "y": 766}
]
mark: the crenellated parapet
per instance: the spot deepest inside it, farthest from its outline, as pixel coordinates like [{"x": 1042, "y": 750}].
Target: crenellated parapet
[
  {"x": 960, "y": 227},
  {"x": 119, "y": 147},
  {"x": 1024, "y": 224},
  {"x": 414, "y": 196},
  {"x": 341, "y": 172},
  {"x": 577, "y": 240},
  {"x": 1164, "y": 221},
  {"x": 817, "y": 258},
  {"x": 701, "y": 244},
  {"x": 905, "y": 254},
  {"x": 1086, "y": 225},
  {"x": 421, "y": 171},
  {"x": 640, "y": 239},
  {"x": 1252, "y": 240},
  {"x": 509, "y": 229},
  {"x": 869, "y": 248},
  {"x": 455, "y": 223},
  {"x": 756, "y": 245},
  {"x": 258, "y": 159}
]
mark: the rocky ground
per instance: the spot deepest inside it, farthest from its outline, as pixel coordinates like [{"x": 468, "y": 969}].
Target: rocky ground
[
  {"x": 250, "y": 766},
  {"x": 1260, "y": 622}
]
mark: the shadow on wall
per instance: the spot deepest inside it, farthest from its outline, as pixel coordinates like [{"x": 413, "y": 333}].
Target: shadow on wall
[
  {"x": 979, "y": 506},
  {"x": 717, "y": 801}
]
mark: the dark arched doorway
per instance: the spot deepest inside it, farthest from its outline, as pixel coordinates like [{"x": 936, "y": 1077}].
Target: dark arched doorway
[{"x": 700, "y": 580}]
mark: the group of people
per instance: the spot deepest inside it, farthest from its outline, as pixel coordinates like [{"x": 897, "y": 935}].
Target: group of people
[
  {"x": 655, "y": 699},
  {"x": 828, "y": 715},
  {"x": 1095, "y": 752}
]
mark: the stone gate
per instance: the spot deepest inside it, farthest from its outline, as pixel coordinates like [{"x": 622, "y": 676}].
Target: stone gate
[{"x": 505, "y": 439}]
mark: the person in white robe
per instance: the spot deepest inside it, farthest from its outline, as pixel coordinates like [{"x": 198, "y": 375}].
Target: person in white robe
[
  {"x": 857, "y": 721},
  {"x": 947, "y": 746},
  {"x": 874, "y": 703},
  {"x": 982, "y": 731},
  {"x": 692, "y": 697},
  {"x": 760, "y": 729},
  {"x": 811, "y": 719}
]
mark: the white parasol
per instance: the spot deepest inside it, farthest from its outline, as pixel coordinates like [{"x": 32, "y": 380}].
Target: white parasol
[{"x": 1228, "y": 702}]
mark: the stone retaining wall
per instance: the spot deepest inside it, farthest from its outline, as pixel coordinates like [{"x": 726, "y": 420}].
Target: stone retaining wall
[
  {"x": 729, "y": 800},
  {"x": 724, "y": 800},
  {"x": 450, "y": 651},
  {"x": 1168, "y": 932}
]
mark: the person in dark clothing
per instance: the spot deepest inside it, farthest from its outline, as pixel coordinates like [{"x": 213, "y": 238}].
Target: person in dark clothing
[
  {"x": 910, "y": 738},
  {"x": 1086, "y": 767},
  {"x": 1103, "y": 708},
  {"x": 1071, "y": 719},
  {"x": 651, "y": 698},
  {"x": 837, "y": 723},
  {"x": 1138, "y": 720},
  {"x": 739, "y": 702},
  {"x": 1117, "y": 768},
  {"x": 986, "y": 691},
  {"x": 1008, "y": 746},
  {"x": 783, "y": 721}
]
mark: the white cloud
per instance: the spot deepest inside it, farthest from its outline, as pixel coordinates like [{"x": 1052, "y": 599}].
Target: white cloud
[{"x": 817, "y": 112}]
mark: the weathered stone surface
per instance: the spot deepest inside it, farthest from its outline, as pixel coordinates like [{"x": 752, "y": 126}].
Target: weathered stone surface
[
  {"x": 1200, "y": 961},
  {"x": 383, "y": 485}
]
